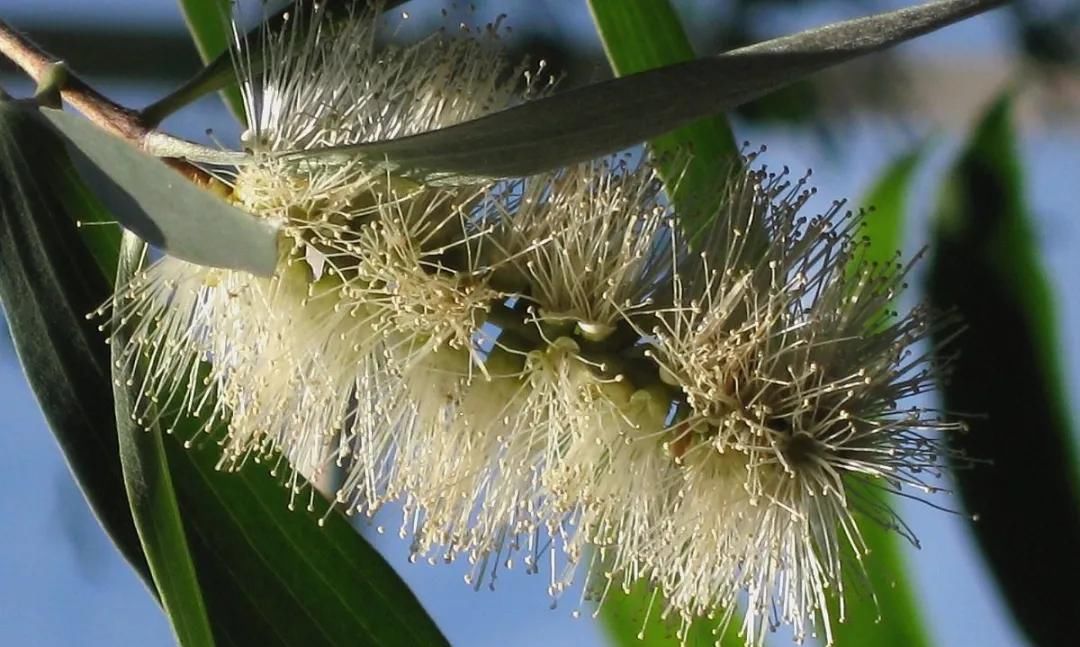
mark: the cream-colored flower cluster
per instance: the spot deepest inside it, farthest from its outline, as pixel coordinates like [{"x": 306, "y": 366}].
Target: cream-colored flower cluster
[{"x": 546, "y": 367}]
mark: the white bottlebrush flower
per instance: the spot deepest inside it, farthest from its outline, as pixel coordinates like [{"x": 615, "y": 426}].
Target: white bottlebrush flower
[
  {"x": 591, "y": 242},
  {"x": 591, "y": 246},
  {"x": 543, "y": 366},
  {"x": 518, "y": 443},
  {"x": 793, "y": 368},
  {"x": 378, "y": 272}
]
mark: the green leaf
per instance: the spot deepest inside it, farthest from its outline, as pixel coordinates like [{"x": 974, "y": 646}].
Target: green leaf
[
  {"x": 48, "y": 282},
  {"x": 1007, "y": 377},
  {"x": 887, "y": 199},
  {"x": 151, "y": 495},
  {"x": 279, "y": 578},
  {"x": 164, "y": 208},
  {"x": 208, "y": 22},
  {"x": 269, "y": 576},
  {"x": 894, "y": 619},
  {"x": 595, "y": 120},
  {"x": 644, "y": 35},
  {"x": 634, "y": 619}
]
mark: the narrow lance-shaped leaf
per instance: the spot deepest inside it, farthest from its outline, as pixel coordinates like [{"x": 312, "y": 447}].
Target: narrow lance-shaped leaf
[
  {"x": 208, "y": 22},
  {"x": 150, "y": 491},
  {"x": 269, "y": 576},
  {"x": 890, "y": 616},
  {"x": 164, "y": 208},
  {"x": 1008, "y": 377},
  {"x": 694, "y": 159},
  {"x": 273, "y": 576},
  {"x": 598, "y": 119},
  {"x": 48, "y": 282}
]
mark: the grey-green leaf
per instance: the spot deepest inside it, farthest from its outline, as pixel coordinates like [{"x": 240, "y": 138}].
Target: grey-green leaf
[
  {"x": 595, "y": 120},
  {"x": 150, "y": 492},
  {"x": 48, "y": 282},
  {"x": 1007, "y": 376},
  {"x": 162, "y": 207},
  {"x": 268, "y": 575},
  {"x": 694, "y": 160}
]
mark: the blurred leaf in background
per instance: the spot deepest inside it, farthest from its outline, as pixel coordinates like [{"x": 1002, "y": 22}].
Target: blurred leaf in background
[
  {"x": 208, "y": 22},
  {"x": 883, "y": 611},
  {"x": 1007, "y": 378}
]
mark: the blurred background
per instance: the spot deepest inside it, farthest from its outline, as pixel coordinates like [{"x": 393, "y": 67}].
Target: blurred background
[{"x": 61, "y": 580}]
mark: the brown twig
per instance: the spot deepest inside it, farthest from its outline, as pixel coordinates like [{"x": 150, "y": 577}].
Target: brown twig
[
  {"x": 96, "y": 107},
  {"x": 99, "y": 109}
]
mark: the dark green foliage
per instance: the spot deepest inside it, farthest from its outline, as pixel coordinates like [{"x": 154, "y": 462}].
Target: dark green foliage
[
  {"x": 1007, "y": 376},
  {"x": 49, "y": 281},
  {"x": 270, "y": 576}
]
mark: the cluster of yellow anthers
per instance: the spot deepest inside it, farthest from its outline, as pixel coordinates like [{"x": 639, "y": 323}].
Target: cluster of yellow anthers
[{"x": 546, "y": 365}]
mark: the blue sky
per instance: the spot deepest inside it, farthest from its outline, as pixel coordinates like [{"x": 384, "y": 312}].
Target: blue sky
[{"x": 62, "y": 582}]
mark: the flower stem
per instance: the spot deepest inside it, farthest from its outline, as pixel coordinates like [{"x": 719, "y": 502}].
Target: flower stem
[{"x": 210, "y": 78}]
